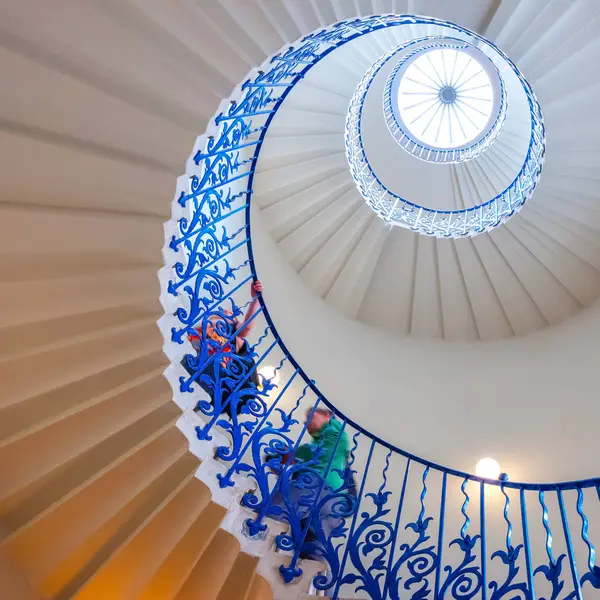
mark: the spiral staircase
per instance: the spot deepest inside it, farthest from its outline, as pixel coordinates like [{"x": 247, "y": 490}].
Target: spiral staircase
[{"x": 109, "y": 481}]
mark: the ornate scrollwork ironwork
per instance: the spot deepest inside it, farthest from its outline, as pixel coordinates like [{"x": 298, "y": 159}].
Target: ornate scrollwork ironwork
[
  {"x": 370, "y": 542},
  {"x": 205, "y": 281},
  {"x": 465, "y": 581},
  {"x": 553, "y": 570},
  {"x": 420, "y": 559},
  {"x": 269, "y": 447},
  {"x": 509, "y": 588},
  {"x": 308, "y": 502},
  {"x": 593, "y": 575}
]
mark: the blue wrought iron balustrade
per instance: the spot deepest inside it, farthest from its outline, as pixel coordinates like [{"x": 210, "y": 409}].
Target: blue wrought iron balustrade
[{"x": 388, "y": 524}]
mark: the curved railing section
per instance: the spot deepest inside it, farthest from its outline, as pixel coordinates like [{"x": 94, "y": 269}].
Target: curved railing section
[
  {"x": 441, "y": 223},
  {"x": 378, "y": 518}
]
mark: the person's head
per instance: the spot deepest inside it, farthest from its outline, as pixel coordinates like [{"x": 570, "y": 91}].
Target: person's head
[
  {"x": 217, "y": 323},
  {"x": 320, "y": 417}
]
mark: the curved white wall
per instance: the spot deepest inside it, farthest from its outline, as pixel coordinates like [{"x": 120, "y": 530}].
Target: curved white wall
[{"x": 528, "y": 402}]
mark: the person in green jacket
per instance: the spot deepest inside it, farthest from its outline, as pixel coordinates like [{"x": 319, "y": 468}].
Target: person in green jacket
[
  {"x": 325, "y": 431},
  {"x": 329, "y": 449}
]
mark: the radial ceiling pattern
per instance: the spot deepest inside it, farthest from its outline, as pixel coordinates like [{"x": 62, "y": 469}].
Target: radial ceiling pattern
[
  {"x": 445, "y": 98},
  {"x": 533, "y": 272}
]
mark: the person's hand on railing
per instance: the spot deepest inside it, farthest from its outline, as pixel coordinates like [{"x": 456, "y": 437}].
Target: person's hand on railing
[{"x": 256, "y": 288}]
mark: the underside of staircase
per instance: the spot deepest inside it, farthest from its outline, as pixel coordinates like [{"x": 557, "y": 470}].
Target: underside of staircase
[
  {"x": 105, "y": 491},
  {"x": 100, "y": 496},
  {"x": 98, "y": 493}
]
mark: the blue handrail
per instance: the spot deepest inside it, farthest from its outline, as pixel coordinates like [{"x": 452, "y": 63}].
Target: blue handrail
[{"x": 389, "y": 537}]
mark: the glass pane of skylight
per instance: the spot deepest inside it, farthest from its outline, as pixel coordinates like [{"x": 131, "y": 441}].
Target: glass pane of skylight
[{"x": 445, "y": 98}]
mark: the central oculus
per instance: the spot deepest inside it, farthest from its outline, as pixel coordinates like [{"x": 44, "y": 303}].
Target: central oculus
[{"x": 445, "y": 98}]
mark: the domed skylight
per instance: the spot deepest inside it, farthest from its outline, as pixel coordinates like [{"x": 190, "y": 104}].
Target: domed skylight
[
  {"x": 444, "y": 102},
  {"x": 445, "y": 98}
]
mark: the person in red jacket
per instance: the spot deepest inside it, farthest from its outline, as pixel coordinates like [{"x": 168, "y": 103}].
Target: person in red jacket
[{"x": 237, "y": 345}]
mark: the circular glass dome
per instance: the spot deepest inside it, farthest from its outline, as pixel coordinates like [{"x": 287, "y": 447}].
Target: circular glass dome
[
  {"x": 445, "y": 98},
  {"x": 445, "y": 101}
]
